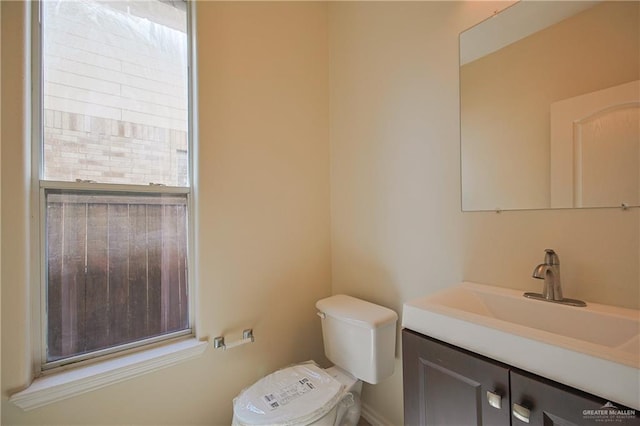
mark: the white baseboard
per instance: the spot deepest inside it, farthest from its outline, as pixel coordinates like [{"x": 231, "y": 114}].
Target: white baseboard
[{"x": 374, "y": 418}]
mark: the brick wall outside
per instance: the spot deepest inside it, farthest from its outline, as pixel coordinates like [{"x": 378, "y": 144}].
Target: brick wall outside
[
  {"x": 115, "y": 92},
  {"x": 113, "y": 151}
]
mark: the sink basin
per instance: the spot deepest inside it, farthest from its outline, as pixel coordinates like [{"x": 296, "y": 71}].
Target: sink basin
[
  {"x": 609, "y": 326},
  {"x": 594, "y": 348}
]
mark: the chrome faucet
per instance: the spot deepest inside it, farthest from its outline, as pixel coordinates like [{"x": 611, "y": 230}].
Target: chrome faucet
[{"x": 549, "y": 271}]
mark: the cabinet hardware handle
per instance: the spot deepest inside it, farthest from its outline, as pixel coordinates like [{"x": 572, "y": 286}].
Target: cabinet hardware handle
[
  {"x": 521, "y": 413},
  {"x": 494, "y": 399}
]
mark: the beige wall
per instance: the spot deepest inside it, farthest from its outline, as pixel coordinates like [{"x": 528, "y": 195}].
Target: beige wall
[
  {"x": 395, "y": 186},
  {"x": 397, "y": 232},
  {"x": 506, "y": 145},
  {"x": 16, "y": 360},
  {"x": 263, "y": 236}
]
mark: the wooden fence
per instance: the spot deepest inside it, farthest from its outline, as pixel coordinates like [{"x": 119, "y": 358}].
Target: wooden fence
[{"x": 117, "y": 270}]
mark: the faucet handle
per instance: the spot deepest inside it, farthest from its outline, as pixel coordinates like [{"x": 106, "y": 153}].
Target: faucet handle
[{"x": 551, "y": 258}]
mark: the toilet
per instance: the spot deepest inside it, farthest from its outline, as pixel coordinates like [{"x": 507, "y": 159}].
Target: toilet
[{"x": 359, "y": 339}]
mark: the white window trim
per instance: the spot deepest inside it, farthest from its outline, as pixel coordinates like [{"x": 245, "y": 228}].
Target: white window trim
[
  {"x": 70, "y": 381},
  {"x": 76, "y": 381}
]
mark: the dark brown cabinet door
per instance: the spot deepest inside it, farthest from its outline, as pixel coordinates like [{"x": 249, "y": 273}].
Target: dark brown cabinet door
[
  {"x": 540, "y": 402},
  {"x": 446, "y": 386}
]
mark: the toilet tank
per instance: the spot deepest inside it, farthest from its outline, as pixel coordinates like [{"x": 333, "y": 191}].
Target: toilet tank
[{"x": 359, "y": 336}]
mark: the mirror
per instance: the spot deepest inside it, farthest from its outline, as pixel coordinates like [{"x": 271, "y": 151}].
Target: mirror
[{"x": 550, "y": 107}]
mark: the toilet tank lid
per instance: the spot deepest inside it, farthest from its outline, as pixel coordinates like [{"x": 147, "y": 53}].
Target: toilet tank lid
[{"x": 356, "y": 311}]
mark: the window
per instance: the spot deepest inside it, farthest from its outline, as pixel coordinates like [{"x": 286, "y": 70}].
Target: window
[{"x": 114, "y": 175}]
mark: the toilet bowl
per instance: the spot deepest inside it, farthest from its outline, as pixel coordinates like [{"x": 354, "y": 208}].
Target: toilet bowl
[
  {"x": 303, "y": 394},
  {"x": 359, "y": 338}
]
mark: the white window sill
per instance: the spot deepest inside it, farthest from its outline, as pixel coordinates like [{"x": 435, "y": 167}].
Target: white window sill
[{"x": 76, "y": 381}]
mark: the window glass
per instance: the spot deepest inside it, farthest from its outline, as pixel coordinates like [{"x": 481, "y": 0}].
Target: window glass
[
  {"x": 115, "y": 91},
  {"x": 115, "y": 175},
  {"x": 116, "y": 269}
]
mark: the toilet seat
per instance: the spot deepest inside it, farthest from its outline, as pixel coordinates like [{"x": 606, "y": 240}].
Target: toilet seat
[{"x": 299, "y": 394}]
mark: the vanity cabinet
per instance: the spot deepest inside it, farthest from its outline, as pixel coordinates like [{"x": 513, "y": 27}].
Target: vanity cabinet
[{"x": 448, "y": 386}]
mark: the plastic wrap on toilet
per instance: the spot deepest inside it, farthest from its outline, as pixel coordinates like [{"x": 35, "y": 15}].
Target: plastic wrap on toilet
[{"x": 296, "y": 394}]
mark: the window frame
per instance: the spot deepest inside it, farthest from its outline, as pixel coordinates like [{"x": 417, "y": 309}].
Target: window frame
[{"x": 39, "y": 186}]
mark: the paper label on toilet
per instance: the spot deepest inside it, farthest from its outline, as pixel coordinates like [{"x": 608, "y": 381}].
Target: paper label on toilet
[{"x": 288, "y": 393}]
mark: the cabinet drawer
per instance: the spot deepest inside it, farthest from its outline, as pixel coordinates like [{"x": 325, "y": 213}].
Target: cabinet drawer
[{"x": 548, "y": 403}]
